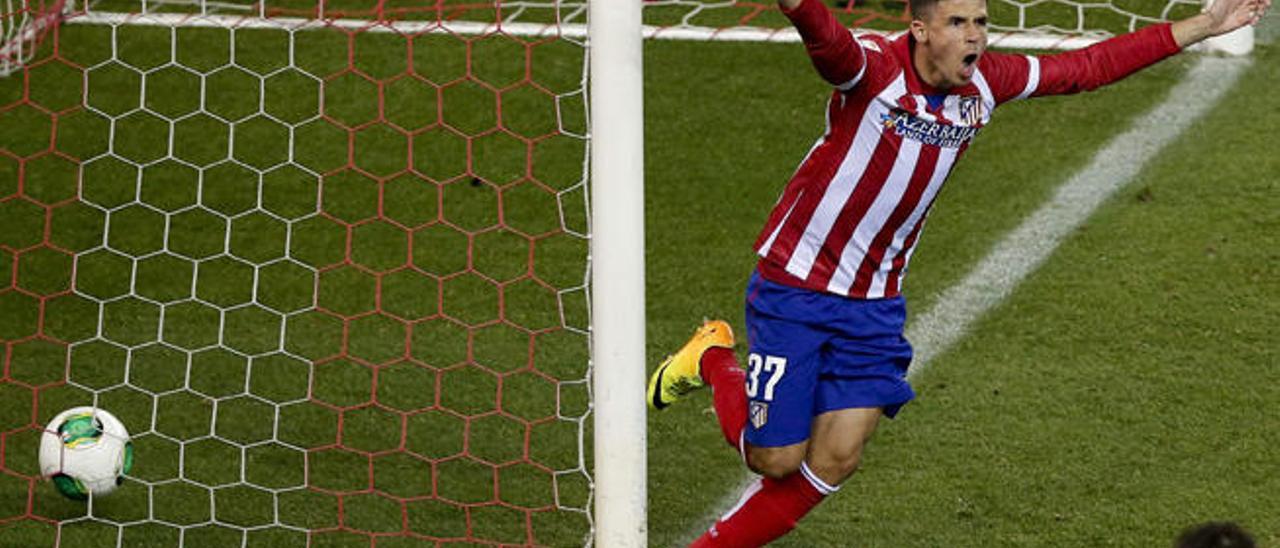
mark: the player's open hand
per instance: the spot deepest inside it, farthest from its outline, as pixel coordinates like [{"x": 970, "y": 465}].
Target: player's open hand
[{"x": 1229, "y": 15}]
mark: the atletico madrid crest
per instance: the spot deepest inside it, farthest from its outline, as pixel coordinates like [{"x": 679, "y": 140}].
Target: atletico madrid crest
[
  {"x": 759, "y": 414},
  {"x": 971, "y": 110}
]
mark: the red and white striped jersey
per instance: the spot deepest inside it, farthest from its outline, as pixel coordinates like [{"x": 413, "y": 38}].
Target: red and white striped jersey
[{"x": 849, "y": 219}]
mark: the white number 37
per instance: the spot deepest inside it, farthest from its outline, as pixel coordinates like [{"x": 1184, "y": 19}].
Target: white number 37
[{"x": 775, "y": 366}]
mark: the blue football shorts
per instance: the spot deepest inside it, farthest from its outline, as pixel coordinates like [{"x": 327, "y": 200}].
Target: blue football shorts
[{"x": 812, "y": 352}]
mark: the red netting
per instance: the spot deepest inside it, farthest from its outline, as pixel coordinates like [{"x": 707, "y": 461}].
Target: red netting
[
  {"x": 434, "y": 290},
  {"x": 37, "y": 270},
  {"x": 23, "y": 28},
  {"x": 478, "y": 280}
]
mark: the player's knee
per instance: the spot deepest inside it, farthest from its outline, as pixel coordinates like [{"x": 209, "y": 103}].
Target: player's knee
[
  {"x": 774, "y": 462},
  {"x": 835, "y": 467},
  {"x": 772, "y": 466},
  {"x": 845, "y": 466}
]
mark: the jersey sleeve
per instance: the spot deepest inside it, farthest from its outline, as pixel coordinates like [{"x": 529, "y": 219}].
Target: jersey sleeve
[
  {"x": 1010, "y": 76},
  {"x": 838, "y": 57},
  {"x": 1022, "y": 76}
]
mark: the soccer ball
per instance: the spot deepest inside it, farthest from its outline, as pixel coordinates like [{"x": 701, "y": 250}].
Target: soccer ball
[{"x": 85, "y": 451}]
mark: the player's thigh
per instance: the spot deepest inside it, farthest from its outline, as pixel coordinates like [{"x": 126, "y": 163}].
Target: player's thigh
[
  {"x": 835, "y": 445},
  {"x": 776, "y": 462}
]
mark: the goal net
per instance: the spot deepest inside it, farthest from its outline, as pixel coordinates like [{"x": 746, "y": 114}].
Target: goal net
[
  {"x": 23, "y": 26},
  {"x": 327, "y": 261}
]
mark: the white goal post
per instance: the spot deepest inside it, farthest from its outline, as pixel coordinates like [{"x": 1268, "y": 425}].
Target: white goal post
[{"x": 617, "y": 273}]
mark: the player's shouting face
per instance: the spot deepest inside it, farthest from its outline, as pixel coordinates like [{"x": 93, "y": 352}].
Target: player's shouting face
[{"x": 950, "y": 37}]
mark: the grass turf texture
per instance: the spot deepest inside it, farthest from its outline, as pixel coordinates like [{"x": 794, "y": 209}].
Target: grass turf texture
[
  {"x": 927, "y": 480},
  {"x": 1116, "y": 398}
]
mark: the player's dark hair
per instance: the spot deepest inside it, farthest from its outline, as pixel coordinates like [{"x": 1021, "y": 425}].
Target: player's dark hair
[
  {"x": 921, "y": 8},
  {"x": 1215, "y": 534}
]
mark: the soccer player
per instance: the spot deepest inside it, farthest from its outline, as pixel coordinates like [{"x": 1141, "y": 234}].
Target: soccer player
[{"x": 824, "y": 311}]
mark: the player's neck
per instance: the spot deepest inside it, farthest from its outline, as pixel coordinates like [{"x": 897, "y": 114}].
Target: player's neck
[{"x": 926, "y": 70}]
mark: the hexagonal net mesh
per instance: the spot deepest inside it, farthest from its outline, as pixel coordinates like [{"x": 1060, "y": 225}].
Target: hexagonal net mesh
[
  {"x": 331, "y": 274},
  {"x": 23, "y": 26}
]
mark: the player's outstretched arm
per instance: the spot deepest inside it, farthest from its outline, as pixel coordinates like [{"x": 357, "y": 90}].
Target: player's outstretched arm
[
  {"x": 835, "y": 54},
  {"x": 1220, "y": 18},
  {"x": 1118, "y": 57}
]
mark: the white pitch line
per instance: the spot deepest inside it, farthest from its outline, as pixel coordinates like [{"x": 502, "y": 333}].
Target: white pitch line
[
  {"x": 1023, "y": 250},
  {"x": 1019, "y": 253}
]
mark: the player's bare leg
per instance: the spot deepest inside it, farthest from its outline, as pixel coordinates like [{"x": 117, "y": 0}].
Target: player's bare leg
[
  {"x": 777, "y": 462},
  {"x": 836, "y": 442},
  {"x": 796, "y": 479},
  {"x": 833, "y": 450}
]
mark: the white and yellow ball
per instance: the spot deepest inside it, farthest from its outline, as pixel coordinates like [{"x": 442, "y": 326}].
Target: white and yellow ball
[{"x": 85, "y": 451}]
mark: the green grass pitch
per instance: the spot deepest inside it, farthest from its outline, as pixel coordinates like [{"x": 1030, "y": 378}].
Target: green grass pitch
[{"x": 1119, "y": 395}]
